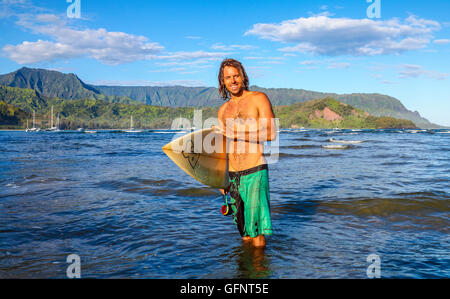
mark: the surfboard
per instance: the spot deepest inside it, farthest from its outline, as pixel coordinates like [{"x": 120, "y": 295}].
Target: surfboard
[{"x": 202, "y": 155}]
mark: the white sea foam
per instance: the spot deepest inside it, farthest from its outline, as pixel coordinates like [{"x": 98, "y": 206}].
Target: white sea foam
[
  {"x": 346, "y": 141},
  {"x": 335, "y": 146}
]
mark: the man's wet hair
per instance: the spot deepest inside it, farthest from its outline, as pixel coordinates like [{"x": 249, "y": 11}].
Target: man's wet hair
[{"x": 224, "y": 93}]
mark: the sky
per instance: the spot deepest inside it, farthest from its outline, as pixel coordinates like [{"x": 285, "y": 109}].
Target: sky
[{"x": 399, "y": 48}]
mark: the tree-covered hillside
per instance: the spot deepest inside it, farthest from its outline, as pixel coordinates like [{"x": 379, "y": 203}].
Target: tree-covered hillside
[
  {"x": 330, "y": 113},
  {"x": 12, "y": 117},
  {"x": 18, "y": 105}
]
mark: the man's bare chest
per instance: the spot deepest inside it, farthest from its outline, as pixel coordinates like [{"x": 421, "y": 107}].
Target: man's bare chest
[{"x": 240, "y": 111}]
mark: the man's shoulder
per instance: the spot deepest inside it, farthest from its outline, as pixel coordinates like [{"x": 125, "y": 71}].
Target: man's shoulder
[
  {"x": 257, "y": 95},
  {"x": 222, "y": 107}
]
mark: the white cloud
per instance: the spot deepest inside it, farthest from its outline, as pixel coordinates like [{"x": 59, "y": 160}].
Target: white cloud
[
  {"x": 232, "y": 47},
  {"x": 266, "y": 60},
  {"x": 415, "y": 71},
  {"x": 344, "y": 36},
  {"x": 388, "y": 82},
  {"x": 310, "y": 62},
  {"x": 6, "y": 2},
  {"x": 192, "y": 60},
  {"x": 441, "y": 41},
  {"x": 321, "y": 14},
  {"x": 339, "y": 65},
  {"x": 48, "y": 18},
  {"x": 198, "y": 63},
  {"x": 31, "y": 52},
  {"x": 183, "y": 55},
  {"x": 258, "y": 71},
  {"x": 168, "y": 70},
  {"x": 108, "y": 47},
  {"x": 8, "y": 7},
  {"x": 263, "y": 58},
  {"x": 63, "y": 41}
]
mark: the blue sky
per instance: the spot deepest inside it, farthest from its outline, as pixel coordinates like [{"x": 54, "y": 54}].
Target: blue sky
[{"x": 327, "y": 46}]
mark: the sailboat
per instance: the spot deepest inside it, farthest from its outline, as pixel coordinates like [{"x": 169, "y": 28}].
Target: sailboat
[
  {"x": 132, "y": 130},
  {"x": 57, "y": 123},
  {"x": 33, "y": 129},
  {"x": 52, "y": 128}
]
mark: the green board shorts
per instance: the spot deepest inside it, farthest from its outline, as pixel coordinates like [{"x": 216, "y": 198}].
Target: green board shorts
[{"x": 250, "y": 201}]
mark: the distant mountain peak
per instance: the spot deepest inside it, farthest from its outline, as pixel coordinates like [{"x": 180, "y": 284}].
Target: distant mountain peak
[{"x": 50, "y": 83}]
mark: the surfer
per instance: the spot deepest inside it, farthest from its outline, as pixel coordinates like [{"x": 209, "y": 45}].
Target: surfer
[{"x": 247, "y": 120}]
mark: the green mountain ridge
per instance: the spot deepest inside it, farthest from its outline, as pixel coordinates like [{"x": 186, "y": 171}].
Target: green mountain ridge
[
  {"x": 54, "y": 84},
  {"x": 376, "y": 104},
  {"x": 49, "y": 83},
  {"x": 17, "y": 105}
]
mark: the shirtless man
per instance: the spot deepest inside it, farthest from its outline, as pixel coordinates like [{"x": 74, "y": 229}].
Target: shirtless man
[{"x": 247, "y": 120}]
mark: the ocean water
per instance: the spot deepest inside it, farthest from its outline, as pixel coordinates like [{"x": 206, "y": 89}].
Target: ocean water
[{"x": 126, "y": 210}]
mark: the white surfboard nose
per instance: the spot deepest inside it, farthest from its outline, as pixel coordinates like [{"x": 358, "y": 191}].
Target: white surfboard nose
[{"x": 202, "y": 155}]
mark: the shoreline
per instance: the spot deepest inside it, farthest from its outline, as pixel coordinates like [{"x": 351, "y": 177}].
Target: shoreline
[
  {"x": 281, "y": 128},
  {"x": 23, "y": 130}
]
